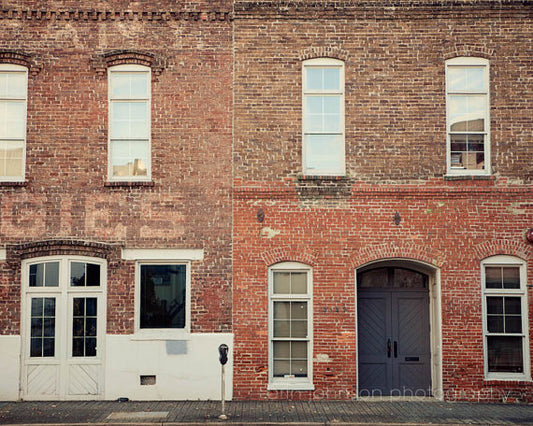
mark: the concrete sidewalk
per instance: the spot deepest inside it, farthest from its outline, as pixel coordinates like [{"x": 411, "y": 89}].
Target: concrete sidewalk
[{"x": 263, "y": 412}]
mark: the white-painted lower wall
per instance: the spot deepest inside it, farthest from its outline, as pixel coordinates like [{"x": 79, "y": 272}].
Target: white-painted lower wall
[
  {"x": 183, "y": 369},
  {"x": 10, "y": 368}
]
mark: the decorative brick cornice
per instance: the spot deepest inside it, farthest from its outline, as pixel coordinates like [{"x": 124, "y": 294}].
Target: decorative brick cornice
[
  {"x": 45, "y": 14},
  {"x": 515, "y": 248},
  {"x": 17, "y": 57},
  {"x": 375, "y": 9},
  {"x": 288, "y": 254},
  {"x": 101, "y": 62},
  {"x": 401, "y": 250}
]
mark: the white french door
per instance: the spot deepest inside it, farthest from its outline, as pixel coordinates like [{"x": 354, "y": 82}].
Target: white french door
[{"x": 63, "y": 323}]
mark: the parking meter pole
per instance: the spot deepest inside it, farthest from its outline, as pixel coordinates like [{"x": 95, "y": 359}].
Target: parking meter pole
[
  {"x": 223, "y": 392},
  {"x": 223, "y": 358}
]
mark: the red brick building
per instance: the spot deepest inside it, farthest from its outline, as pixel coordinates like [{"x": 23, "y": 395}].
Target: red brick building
[
  {"x": 339, "y": 191},
  {"x": 382, "y": 195},
  {"x": 115, "y": 209}
]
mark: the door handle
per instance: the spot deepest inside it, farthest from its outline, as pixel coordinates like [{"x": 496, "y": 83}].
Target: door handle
[
  {"x": 395, "y": 349},
  {"x": 388, "y": 348}
]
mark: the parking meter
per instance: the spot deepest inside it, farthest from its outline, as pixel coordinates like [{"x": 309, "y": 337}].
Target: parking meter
[{"x": 223, "y": 351}]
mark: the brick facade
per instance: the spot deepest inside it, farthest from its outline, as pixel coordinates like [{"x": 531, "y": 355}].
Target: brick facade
[
  {"x": 66, "y": 196},
  {"x": 395, "y": 113},
  {"x": 227, "y": 177}
]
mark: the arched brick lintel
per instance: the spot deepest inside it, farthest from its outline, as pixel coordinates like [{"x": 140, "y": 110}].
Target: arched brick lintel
[
  {"x": 411, "y": 252},
  {"x": 24, "y": 59},
  {"x": 288, "y": 254},
  {"x": 102, "y": 62},
  {"x": 61, "y": 247},
  {"x": 503, "y": 247}
]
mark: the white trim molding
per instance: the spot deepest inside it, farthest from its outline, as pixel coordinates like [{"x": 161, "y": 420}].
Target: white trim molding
[
  {"x": 3, "y": 255},
  {"x": 162, "y": 254}
]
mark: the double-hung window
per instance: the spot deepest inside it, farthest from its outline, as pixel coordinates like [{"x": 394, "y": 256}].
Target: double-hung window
[
  {"x": 129, "y": 118},
  {"x": 13, "y": 98},
  {"x": 290, "y": 326},
  {"x": 505, "y": 324},
  {"x": 468, "y": 122},
  {"x": 323, "y": 117}
]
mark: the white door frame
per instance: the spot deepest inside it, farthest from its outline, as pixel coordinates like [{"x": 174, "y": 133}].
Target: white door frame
[
  {"x": 62, "y": 361},
  {"x": 435, "y": 316}
]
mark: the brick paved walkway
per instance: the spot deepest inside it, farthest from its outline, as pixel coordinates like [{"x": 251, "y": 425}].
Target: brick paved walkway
[{"x": 263, "y": 412}]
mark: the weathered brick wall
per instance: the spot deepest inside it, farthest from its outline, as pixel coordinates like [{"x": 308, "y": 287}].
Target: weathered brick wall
[
  {"x": 66, "y": 196},
  {"x": 396, "y": 161}
]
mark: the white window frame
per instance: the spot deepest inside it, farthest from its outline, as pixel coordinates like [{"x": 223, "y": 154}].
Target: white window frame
[
  {"x": 466, "y": 62},
  {"x": 12, "y": 68},
  {"x": 162, "y": 257},
  {"x": 296, "y": 383},
  {"x": 507, "y": 261},
  {"x": 324, "y": 63},
  {"x": 127, "y": 69}
]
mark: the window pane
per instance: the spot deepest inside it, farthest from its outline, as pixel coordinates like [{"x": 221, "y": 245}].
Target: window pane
[
  {"x": 36, "y": 275},
  {"x": 466, "y": 79},
  {"x": 324, "y": 153},
  {"x": 314, "y": 78},
  {"x": 511, "y": 277},
  {"x": 299, "y": 350},
  {"x": 93, "y": 275},
  {"x": 129, "y": 85},
  {"x": 282, "y": 328},
  {"x": 282, "y": 350},
  {"x": 298, "y": 310},
  {"x": 282, "y": 282},
  {"x": 467, "y": 113},
  {"x": 12, "y": 119},
  {"x": 282, "y": 310},
  {"x": 495, "y": 324},
  {"x": 494, "y": 305},
  {"x": 299, "y": 282},
  {"x": 42, "y": 332},
  {"x": 163, "y": 296},
  {"x": 13, "y": 84},
  {"x": 77, "y": 274},
  {"x": 281, "y": 368},
  {"x": 299, "y": 368},
  {"x": 299, "y": 329},
  {"x": 11, "y": 153},
  {"x": 51, "y": 277},
  {"x": 331, "y": 78},
  {"x": 513, "y": 306},
  {"x": 505, "y": 354},
  {"x": 323, "y": 114},
  {"x": 130, "y": 158},
  {"x": 513, "y": 324},
  {"x": 493, "y": 277}
]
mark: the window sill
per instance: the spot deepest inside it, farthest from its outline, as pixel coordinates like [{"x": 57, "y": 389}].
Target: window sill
[
  {"x": 118, "y": 184},
  {"x": 287, "y": 385},
  {"x": 153, "y": 335},
  {"x": 506, "y": 378},
  {"x": 302, "y": 177},
  {"x": 453, "y": 177},
  {"x": 13, "y": 184}
]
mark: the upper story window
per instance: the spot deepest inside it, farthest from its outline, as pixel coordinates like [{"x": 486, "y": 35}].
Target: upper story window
[
  {"x": 13, "y": 101},
  {"x": 505, "y": 323},
  {"x": 129, "y": 123},
  {"x": 323, "y": 117},
  {"x": 468, "y": 121},
  {"x": 290, "y": 328}
]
